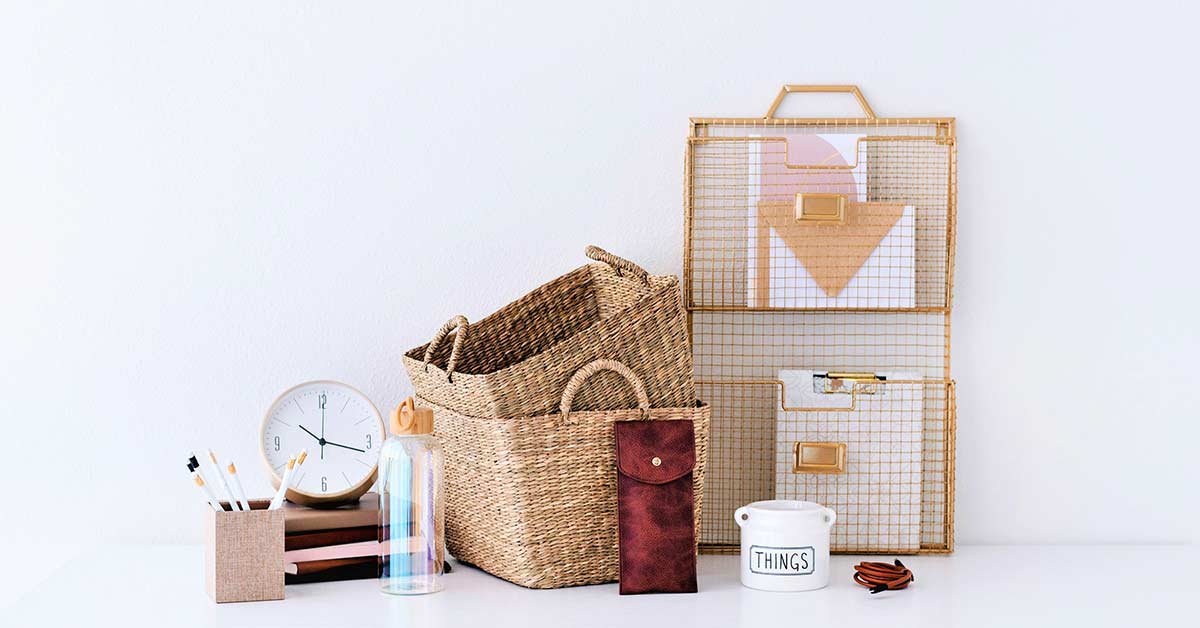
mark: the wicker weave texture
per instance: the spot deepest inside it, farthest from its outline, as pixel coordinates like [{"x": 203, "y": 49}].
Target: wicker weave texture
[
  {"x": 516, "y": 361},
  {"x": 533, "y": 500}
]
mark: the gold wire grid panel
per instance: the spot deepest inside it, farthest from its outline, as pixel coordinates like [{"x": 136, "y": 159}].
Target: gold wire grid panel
[{"x": 827, "y": 245}]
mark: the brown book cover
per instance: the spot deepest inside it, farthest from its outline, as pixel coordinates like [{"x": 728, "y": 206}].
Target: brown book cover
[
  {"x": 304, "y": 519},
  {"x": 324, "y": 538},
  {"x": 336, "y": 569}
]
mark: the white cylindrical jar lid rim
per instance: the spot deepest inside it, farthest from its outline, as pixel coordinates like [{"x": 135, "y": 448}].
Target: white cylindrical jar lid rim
[{"x": 787, "y": 510}]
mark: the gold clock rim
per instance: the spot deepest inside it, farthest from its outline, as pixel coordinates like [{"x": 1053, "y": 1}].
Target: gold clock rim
[{"x": 310, "y": 499}]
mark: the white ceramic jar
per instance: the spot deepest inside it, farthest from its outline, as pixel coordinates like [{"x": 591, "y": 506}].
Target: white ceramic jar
[{"x": 785, "y": 545}]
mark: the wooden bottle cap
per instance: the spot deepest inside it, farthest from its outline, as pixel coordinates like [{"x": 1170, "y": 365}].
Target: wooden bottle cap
[{"x": 407, "y": 418}]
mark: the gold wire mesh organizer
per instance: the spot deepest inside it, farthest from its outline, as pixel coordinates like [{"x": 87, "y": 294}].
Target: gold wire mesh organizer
[{"x": 792, "y": 261}]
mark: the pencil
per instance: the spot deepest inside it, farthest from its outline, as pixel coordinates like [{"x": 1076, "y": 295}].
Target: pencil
[
  {"x": 233, "y": 504},
  {"x": 237, "y": 487},
  {"x": 212, "y": 500},
  {"x": 277, "y": 501}
]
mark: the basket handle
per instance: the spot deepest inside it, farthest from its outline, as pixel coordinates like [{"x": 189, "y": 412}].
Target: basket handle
[
  {"x": 618, "y": 263},
  {"x": 821, "y": 89},
  {"x": 459, "y": 326},
  {"x": 591, "y": 369}
]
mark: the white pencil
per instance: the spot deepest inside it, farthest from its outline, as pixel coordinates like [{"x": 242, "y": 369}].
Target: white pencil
[
  {"x": 277, "y": 501},
  {"x": 194, "y": 467},
  {"x": 237, "y": 487},
  {"x": 208, "y": 495},
  {"x": 220, "y": 473}
]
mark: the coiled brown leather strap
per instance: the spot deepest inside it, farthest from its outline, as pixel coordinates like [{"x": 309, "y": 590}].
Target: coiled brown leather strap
[{"x": 883, "y": 576}]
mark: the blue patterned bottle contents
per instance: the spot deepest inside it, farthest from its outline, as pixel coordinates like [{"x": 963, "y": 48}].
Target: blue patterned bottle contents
[{"x": 412, "y": 522}]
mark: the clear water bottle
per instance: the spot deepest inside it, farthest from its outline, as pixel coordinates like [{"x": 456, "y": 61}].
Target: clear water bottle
[{"x": 412, "y": 521}]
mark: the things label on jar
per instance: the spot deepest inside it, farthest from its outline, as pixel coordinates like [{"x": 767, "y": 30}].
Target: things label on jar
[{"x": 782, "y": 561}]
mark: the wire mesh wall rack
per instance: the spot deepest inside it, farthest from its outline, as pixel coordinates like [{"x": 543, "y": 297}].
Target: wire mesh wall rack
[{"x": 818, "y": 275}]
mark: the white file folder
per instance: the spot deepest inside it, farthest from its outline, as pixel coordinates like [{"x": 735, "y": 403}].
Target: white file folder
[{"x": 877, "y": 494}]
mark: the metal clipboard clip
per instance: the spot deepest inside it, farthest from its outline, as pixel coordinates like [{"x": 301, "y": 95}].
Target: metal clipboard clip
[{"x": 834, "y": 383}]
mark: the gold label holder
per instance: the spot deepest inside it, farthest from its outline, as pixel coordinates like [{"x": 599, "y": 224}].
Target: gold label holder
[
  {"x": 827, "y": 209},
  {"x": 819, "y": 458}
]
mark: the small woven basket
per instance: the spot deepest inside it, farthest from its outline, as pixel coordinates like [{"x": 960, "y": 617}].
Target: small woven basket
[
  {"x": 533, "y": 500},
  {"x": 516, "y": 361}
]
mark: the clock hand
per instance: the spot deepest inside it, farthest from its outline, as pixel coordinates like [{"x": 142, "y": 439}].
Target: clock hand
[
  {"x": 322, "y": 441},
  {"x": 322, "y": 428},
  {"x": 329, "y": 442}
]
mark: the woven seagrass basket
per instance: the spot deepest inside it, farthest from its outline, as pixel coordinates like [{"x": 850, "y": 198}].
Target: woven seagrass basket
[
  {"x": 533, "y": 500},
  {"x": 516, "y": 361}
]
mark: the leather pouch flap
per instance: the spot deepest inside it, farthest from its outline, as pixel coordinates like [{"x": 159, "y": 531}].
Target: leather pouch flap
[{"x": 655, "y": 452}]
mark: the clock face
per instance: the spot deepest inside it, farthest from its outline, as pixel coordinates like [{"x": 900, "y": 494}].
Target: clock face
[{"x": 342, "y": 431}]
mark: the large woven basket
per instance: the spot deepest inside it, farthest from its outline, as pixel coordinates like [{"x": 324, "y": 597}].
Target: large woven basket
[
  {"x": 516, "y": 361},
  {"x": 533, "y": 500}
]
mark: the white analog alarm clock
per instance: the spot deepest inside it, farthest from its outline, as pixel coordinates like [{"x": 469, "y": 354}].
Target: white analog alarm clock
[{"x": 342, "y": 431}]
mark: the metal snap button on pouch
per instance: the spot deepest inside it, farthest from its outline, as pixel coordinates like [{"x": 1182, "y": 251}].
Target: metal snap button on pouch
[{"x": 656, "y": 461}]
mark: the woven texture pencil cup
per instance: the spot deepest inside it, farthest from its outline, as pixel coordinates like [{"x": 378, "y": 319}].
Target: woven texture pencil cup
[
  {"x": 516, "y": 361},
  {"x": 533, "y": 499},
  {"x": 243, "y": 554}
]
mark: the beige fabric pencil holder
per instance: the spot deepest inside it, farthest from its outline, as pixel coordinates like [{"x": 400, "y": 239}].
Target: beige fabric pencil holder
[{"x": 243, "y": 554}]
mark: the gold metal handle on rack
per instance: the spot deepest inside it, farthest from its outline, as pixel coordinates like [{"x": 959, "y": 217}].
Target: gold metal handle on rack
[{"x": 821, "y": 89}]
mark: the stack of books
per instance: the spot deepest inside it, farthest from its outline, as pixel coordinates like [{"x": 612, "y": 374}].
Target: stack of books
[{"x": 322, "y": 545}]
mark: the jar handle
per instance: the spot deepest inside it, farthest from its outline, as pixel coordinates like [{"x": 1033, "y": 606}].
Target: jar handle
[
  {"x": 830, "y": 517},
  {"x": 740, "y": 515}
]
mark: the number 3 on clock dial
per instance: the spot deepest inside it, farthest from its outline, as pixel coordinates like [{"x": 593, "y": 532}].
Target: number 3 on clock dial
[{"x": 340, "y": 428}]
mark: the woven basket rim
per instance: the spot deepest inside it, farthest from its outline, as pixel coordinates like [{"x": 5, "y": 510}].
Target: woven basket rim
[
  {"x": 668, "y": 283},
  {"x": 556, "y": 417}
]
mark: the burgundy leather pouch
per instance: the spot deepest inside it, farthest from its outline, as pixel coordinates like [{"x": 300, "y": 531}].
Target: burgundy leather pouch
[{"x": 656, "y": 516}]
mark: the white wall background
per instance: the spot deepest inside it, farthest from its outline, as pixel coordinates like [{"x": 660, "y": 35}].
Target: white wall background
[{"x": 205, "y": 203}]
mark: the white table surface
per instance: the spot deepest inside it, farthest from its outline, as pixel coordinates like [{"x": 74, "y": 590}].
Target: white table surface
[{"x": 977, "y": 586}]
